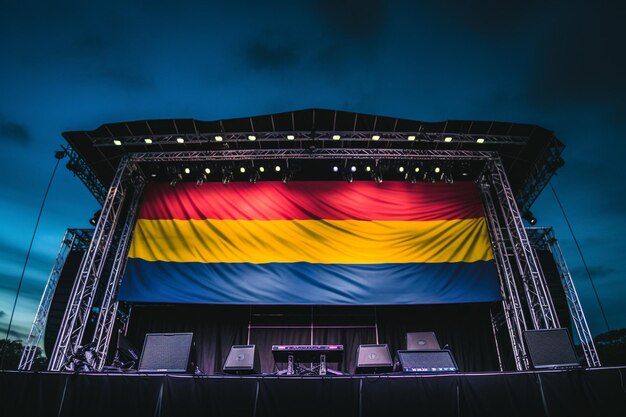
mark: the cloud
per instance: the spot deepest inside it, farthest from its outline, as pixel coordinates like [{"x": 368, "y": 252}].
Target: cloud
[
  {"x": 2, "y": 313},
  {"x": 360, "y": 20},
  {"x": 15, "y": 132}
]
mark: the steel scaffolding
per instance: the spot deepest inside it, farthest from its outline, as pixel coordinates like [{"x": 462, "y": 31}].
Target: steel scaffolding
[
  {"x": 544, "y": 238},
  {"x": 74, "y": 239}
]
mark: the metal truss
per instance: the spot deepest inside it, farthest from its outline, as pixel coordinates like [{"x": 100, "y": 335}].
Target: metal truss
[
  {"x": 544, "y": 238},
  {"x": 541, "y": 307},
  {"x": 74, "y": 239},
  {"x": 321, "y": 153},
  {"x": 199, "y": 138},
  {"x": 511, "y": 302},
  {"x": 108, "y": 309},
  {"x": 78, "y": 166},
  {"x": 84, "y": 290}
]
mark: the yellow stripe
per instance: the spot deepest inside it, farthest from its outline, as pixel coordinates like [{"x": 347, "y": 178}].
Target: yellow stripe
[{"x": 313, "y": 241}]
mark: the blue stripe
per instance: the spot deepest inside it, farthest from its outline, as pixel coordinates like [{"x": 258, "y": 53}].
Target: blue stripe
[{"x": 305, "y": 283}]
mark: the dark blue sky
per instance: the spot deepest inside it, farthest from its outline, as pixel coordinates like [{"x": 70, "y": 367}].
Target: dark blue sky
[{"x": 74, "y": 66}]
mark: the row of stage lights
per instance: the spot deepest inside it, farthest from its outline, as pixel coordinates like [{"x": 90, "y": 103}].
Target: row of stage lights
[
  {"x": 413, "y": 173},
  {"x": 252, "y": 138}
]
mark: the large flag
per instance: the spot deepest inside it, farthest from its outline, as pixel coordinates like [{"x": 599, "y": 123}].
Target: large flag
[{"x": 311, "y": 242}]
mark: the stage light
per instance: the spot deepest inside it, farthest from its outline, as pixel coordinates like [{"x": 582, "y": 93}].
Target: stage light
[
  {"x": 251, "y": 137},
  {"x": 448, "y": 139},
  {"x": 336, "y": 137},
  {"x": 96, "y": 216},
  {"x": 242, "y": 170},
  {"x": 411, "y": 137},
  {"x": 335, "y": 168},
  {"x": 187, "y": 171},
  {"x": 401, "y": 169},
  {"x": 368, "y": 168},
  {"x": 219, "y": 138},
  {"x": 529, "y": 217},
  {"x": 353, "y": 168},
  {"x": 277, "y": 168},
  {"x": 117, "y": 142},
  {"x": 261, "y": 169},
  {"x": 207, "y": 170},
  {"x": 153, "y": 175},
  {"x": 480, "y": 140},
  {"x": 437, "y": 170},
  {"x": 417, "y": 169},
  {"x": 375, "y": 137},
  {"x": 148, "y": 140},
  {"x": 180, "y": 140},
  {"x": 290, "y": 137}
]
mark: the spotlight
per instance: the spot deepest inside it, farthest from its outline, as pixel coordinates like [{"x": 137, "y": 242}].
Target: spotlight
[
  {"x": 335, "y": 168},
  {"x": 411, "y": 137},
  {"x": 148, "y": 140},
  {"x": 180, "y": 140},
  {"x": 187, "y": 171},
  {"x": 242, "y": 170},
  {"x": 336, "y": 137},
  {"x": 353, "y": 168},
  {"x": 480, "y": 140},
  {"x": 368, "y": 168},
  {"x": 400, "y": 169},
  {"x": 417, "y": 169},
  {"x": 375, "y": 137},
  {"x": 290, "y": 137},
  {"x": 96, "y": 216},
  {"x": 529, "y": 217},
  {"x": 219, "y": 138},
  {"x": 207, "y": 170},
  {"x": 277, "y": 168},
  {"x": 448, "y": 139},
  {"x": 153, "y": 175},
  {"x": 117, "y": 142},
  {"x": 261, "y": 169},
  {"x": 251, "y": 137}
]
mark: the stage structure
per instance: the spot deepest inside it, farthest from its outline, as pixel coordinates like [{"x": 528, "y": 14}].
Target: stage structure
[{"x": 511, "y": 164}]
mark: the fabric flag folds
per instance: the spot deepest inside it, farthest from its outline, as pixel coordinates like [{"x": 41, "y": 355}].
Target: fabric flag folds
[{"x": 311, "y": 242}]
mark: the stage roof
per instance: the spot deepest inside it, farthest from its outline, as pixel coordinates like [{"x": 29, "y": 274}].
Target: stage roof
[{"x": 530, "y": 154}]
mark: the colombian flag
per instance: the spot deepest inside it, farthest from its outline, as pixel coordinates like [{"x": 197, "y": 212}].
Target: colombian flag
[{"x": 311, "y": 242}]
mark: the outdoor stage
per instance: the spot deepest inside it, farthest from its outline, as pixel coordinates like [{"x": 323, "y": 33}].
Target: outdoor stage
[{"x": 574, "y": 392}]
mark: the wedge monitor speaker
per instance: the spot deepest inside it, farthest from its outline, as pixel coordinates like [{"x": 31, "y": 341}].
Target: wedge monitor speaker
[
  {"x": 242, "y": 359},
  {"x": 422, "y": 341},
  {"x": 373, "y": 359},
  {"x": 166, "y": 352},
  {"x": 550, "y": 349}
]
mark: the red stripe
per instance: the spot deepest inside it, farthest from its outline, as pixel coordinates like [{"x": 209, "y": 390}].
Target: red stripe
[{"x": 302, "y": 200}]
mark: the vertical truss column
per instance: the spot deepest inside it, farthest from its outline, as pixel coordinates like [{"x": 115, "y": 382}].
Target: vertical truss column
[
  {"x": 72, "y": 239},
  {"x": 539, "y": 301},
  {"x": 84, "y": 290},
  {"x": 513, "y": 310},
  {"x": 573, "y": 302},
  {"x": 108, "y": 310}
]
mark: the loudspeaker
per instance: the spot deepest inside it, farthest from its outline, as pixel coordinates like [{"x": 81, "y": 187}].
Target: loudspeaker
[
  {"x": 373, "y": 359},
  {"x": 427, "y": 361},
  {"x": 550, "y": 348},
  {"x": 422, "y": 341},
  {"x": 242, "y": 359},
  {"x": 165, "y": 352}
]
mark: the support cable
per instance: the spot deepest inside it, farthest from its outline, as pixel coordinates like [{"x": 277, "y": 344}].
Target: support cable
[
  {"x": 58, "y": 155},
  {"x": 580, "y": 252}
]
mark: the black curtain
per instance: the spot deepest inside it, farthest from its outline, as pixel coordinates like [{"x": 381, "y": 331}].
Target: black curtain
[{"x": 464, "y": 328}]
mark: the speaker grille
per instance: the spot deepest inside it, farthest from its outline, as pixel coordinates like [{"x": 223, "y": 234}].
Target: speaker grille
[
  {"x": 165, "y": 352},
  {"x": 374, "y": 358},
  {"x": 242, "y": 359},
  {"x": 422, "y": 341},
  {"x": 550, "y": 348}
]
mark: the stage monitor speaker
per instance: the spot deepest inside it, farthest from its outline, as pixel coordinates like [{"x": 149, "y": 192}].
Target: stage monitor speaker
[
  {"x": 165, "y": 352},
  {"x": 422, "y": 341},
  {"x": 427, "y": 361},
  {"x": 373, "y": 359},
  {"x": 242, "y": 359},
  {"x": 550, "y": 348}
]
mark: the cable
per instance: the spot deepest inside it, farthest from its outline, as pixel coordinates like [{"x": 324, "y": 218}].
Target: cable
[
  {"x": 58, "y": 155},
  {"x": 593, "y": 286}
]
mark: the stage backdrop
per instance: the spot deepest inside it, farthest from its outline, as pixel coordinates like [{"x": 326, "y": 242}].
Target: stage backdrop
[{"x": 311, "y": 243}]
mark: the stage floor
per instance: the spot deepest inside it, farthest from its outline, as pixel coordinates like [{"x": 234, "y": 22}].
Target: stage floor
[{"x": 573, "y": 392}]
